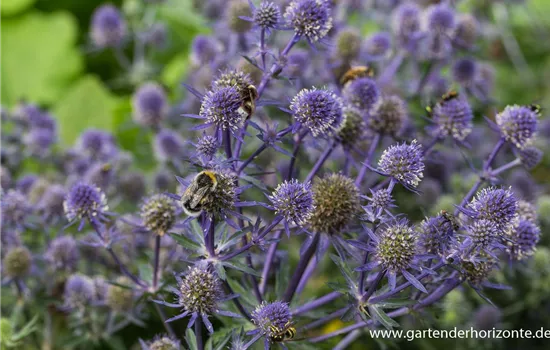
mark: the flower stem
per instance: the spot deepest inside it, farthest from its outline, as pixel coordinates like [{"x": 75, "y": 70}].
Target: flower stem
[
  {"x": 336, "y": 314},
  {"x": 198, "y": 333},
  {"x": 156, "y": 262},
  {"x": 162, "y": 316},
  {"x": 368, "y": 159},
  {"x": 251, "y": 158},
  {"x": 236, "y": 301},
  {"x": 302, "y": 265},
  {"x": 269, "y": 261},
  {"x": 374, "y": 284},
  {"x": 210, "y": 238},
  {"x": 316, "y": 303},
  {"x": 505, "y": 167},
  {"x": 321, "y": 161},
  {"x": 295, "y": 154}
]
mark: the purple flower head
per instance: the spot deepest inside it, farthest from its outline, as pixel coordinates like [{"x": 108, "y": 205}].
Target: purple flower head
[
  {"x": 439, "y": 18},
  {"x": 168, "y": 145},
  {"x": 377, "y": 45},
  {"x": 452, "y": 118},
  {"x": 17, "y": 262},
  {"x": 79, "y": 291},
  {"x": 465, "y": 71},
  {"x": 97, "y": 144},
  {"x": 25, "y": 183},
  {"x": 205, "y": 49},
  {"x": 38, "y": 141},
  {"x": 294, "y": 201},
  {"x": 163, "y": 343},
  {"x": 271, "y": 318},
  {"x": 467, "y": 30},
  {"x": 403, "y": 162},
  {"x": 494, "y": 204},
  {"x": 298, "y": 61},
  {"x": 523, "y": 240},
  {"x": 43, "y": 121},
  {"x": 27, "y": 112},
  {"x": 353, "y": 129},
  {"x": 484, "y": 233},
  {"x": 361, "y": 93},
  {"x": 437, "y": 234},
  {"x": 157, "y": 35},
  {"x": 108, "y": 27},
  {"x": 85, "y": 201},
  {"x": 530, "y": 156},
  {"x": 381, "y": 199},
  {"x": 320, "y": 111},
  {"x": 348, "y": 44},
  {"x": 388, "y": 116},
  {"x": 164, "y": 181},
  {"x": 336, "y": 203},
  {"x": 132, "y": 185},
  {"x": 63, "y": 254},
  {"x": 158, "y": 213},
  {"x": 309, "y": 18},
  {"x": 100, "y": 174},
  {"x": 15, "y": 208},
  {"x": 405, "y": 23},
  {"x": 267, "y": 15},
  {"x": 118, "y": 298},
  {"x": 397, "y": 246},
  {"x": 207, "y": 146},
  {"x": 234, "y": 78},
  {"x": 517, "y": 124},
  {"x": 527, "y": 211},
  {"x": 149, "y": 104},
  {"x": 221, "y": 108}
]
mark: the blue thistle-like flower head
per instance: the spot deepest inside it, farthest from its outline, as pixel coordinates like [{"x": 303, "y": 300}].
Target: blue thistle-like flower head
[
  {"x": 108, "y": 27},
  {"x": 235, "y": 10},
  {"x": 347, "y": 44},
  {"x": 437, "y": 234},
  {"x": 353, "y": 129},
  {"x": 494, "y": 204},
  {"x": 527, "y": 211},
  {"x": 38, "y": 141},
  {"x": 168, "y": 145},
  {"x": 79, "y": 291},
  {"x": 377, "y": 45},
  {"x": 388, "y": 116},
  {"x": 63, "y": 253},
  {"x": 200, "y": 291},
  {"x": 270, "y": 317},
  {"x": 465, "y": 71},
  {"x": 403, "y": 162},
  {"x": 523, "y": 240},
  {"x": 205, "y": 48},
  {"x": 320, "y": 111},
  {"x": 149, "y": 105},
  {"x": 381, "y": 199},
  {"x": 397, "y": 246},
  {"x": 309, "y": 18},
  {"x": 17, "y": 262},
  {"x": 163, "y": 343},
  {"x": 517, "y": 124},
  {"x": 484, "y": 233},
  {"x": 467, "y": 30},
  {"x": 158, "y": 213},
  {"x": 439, "y": 18},
  {"x": 452, "y": 118},
  {"x": 267, "y": 15},
  {"x": 220, "y": 108},
  {"x": 530, "y": 156},
  {"x": 15, "y": 208},
  {"x": 207, "y": 146},
  {"x": 405, "y": 24},
  {"x": 294, "y": 201},
  {"x": 85, "y": 201},
  {"x": 25, "y": 183},
  {"x": 361, "y": 93},
  {"x": 97, "y": 144}
]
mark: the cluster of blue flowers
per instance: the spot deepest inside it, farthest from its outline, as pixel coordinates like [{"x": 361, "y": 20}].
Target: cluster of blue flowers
[{"x": 300, "y": 143}]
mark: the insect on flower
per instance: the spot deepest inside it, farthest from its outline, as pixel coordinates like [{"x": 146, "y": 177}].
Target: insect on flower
[
  {"x": 356, "y": 72},
  {"x": 451, "y": 218},
  {"x": 198, "y": 191},
  {"x": 535, "y": 108},
  {"x": 248, "y": 105},
  {"x": 281, "y": 335},
  {"x": 449, "y": 96}
]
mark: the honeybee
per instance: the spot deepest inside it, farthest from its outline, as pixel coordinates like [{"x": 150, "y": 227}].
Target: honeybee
[
  {"x": 281, "y": 335},
  {"x": 355, "y": 73},
  {"x": 449, "y": 96},
  {"x": 248, "y": 105},
  {"x": 452, "y": 219},
  {"x": 198, "y": 192}
]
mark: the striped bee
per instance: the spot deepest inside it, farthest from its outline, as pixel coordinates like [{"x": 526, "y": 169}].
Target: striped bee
[
  {"x": 355, "y": 73},
  {"x": 452, "y": 219},
  {"x": 281, "y": 335},
  {"x": 449, "y": 96},
  {"x": 248, "y": 105},
  {"x": 535, "y": 108},
  {"x": 198, "y": 192}
]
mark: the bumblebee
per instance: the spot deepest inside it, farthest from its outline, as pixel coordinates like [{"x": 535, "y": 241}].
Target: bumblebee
[
  {"x": 198, "y": 192},
  {"x": 248, "y": 106},
  {"x": 281, "y": 335},
  {"x": 535, "y": 108},
  {"x": 355, "y": 73},
  {"x": 449, "y": 96},
  {"x": 452, "y": 219}
]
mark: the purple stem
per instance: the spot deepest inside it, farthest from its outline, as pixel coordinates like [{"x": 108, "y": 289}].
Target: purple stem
[
  {"x": 316, "y": 303},
  {"x": 262, "y": 47},
  {"x": 252, "y": 341},
  {"x": 295, "y": 154},
  {"x": 427, "y": 74},
  {"x": 493, "y": 154},
  {"x": 198, "y": 333},
  {"x": 251, "y": 158},
  {"x": 391, "y": 69},
  {"x": 236, "y": 301},
  {"x": 505, "y": 167},
  {"x": 269, "y": 261},
  {"x": 210, "y": 238},
  {"x": 325, "y": 319},
  {"x": 168, "y": 326},
  {"x": 227, "y": 143},
  {"x": 368, "y": 159},
  {"x": 374, "y": 284},
  {"x": 321, "y": 161},
  {"x": 302, "y": 265},
  {"x": 277, "y": 65},
  {"x": 439, "y": 293},
  {"x": 428, "y": 148}
]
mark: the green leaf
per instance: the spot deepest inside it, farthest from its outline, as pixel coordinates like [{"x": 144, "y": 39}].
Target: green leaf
[
  {"x": 379, "y": 315},
  {"x": 344, "y": 269},
  {"x": 185, "y": 242},
  {"x": 145, "y": 272},
  {"x": 191, "y": 339},
  {"x": 89, "y": 104},
  {"x": 39, "y": 57},
  {"x": 241, "y": 267},
  {"x": 12, "y": 7},
  {"x": 244, "y": 295},
  {"x": 395, "y": 303}
]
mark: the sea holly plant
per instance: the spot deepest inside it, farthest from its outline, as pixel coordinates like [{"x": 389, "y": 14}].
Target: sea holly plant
[{"x": 307, "y": 181}]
